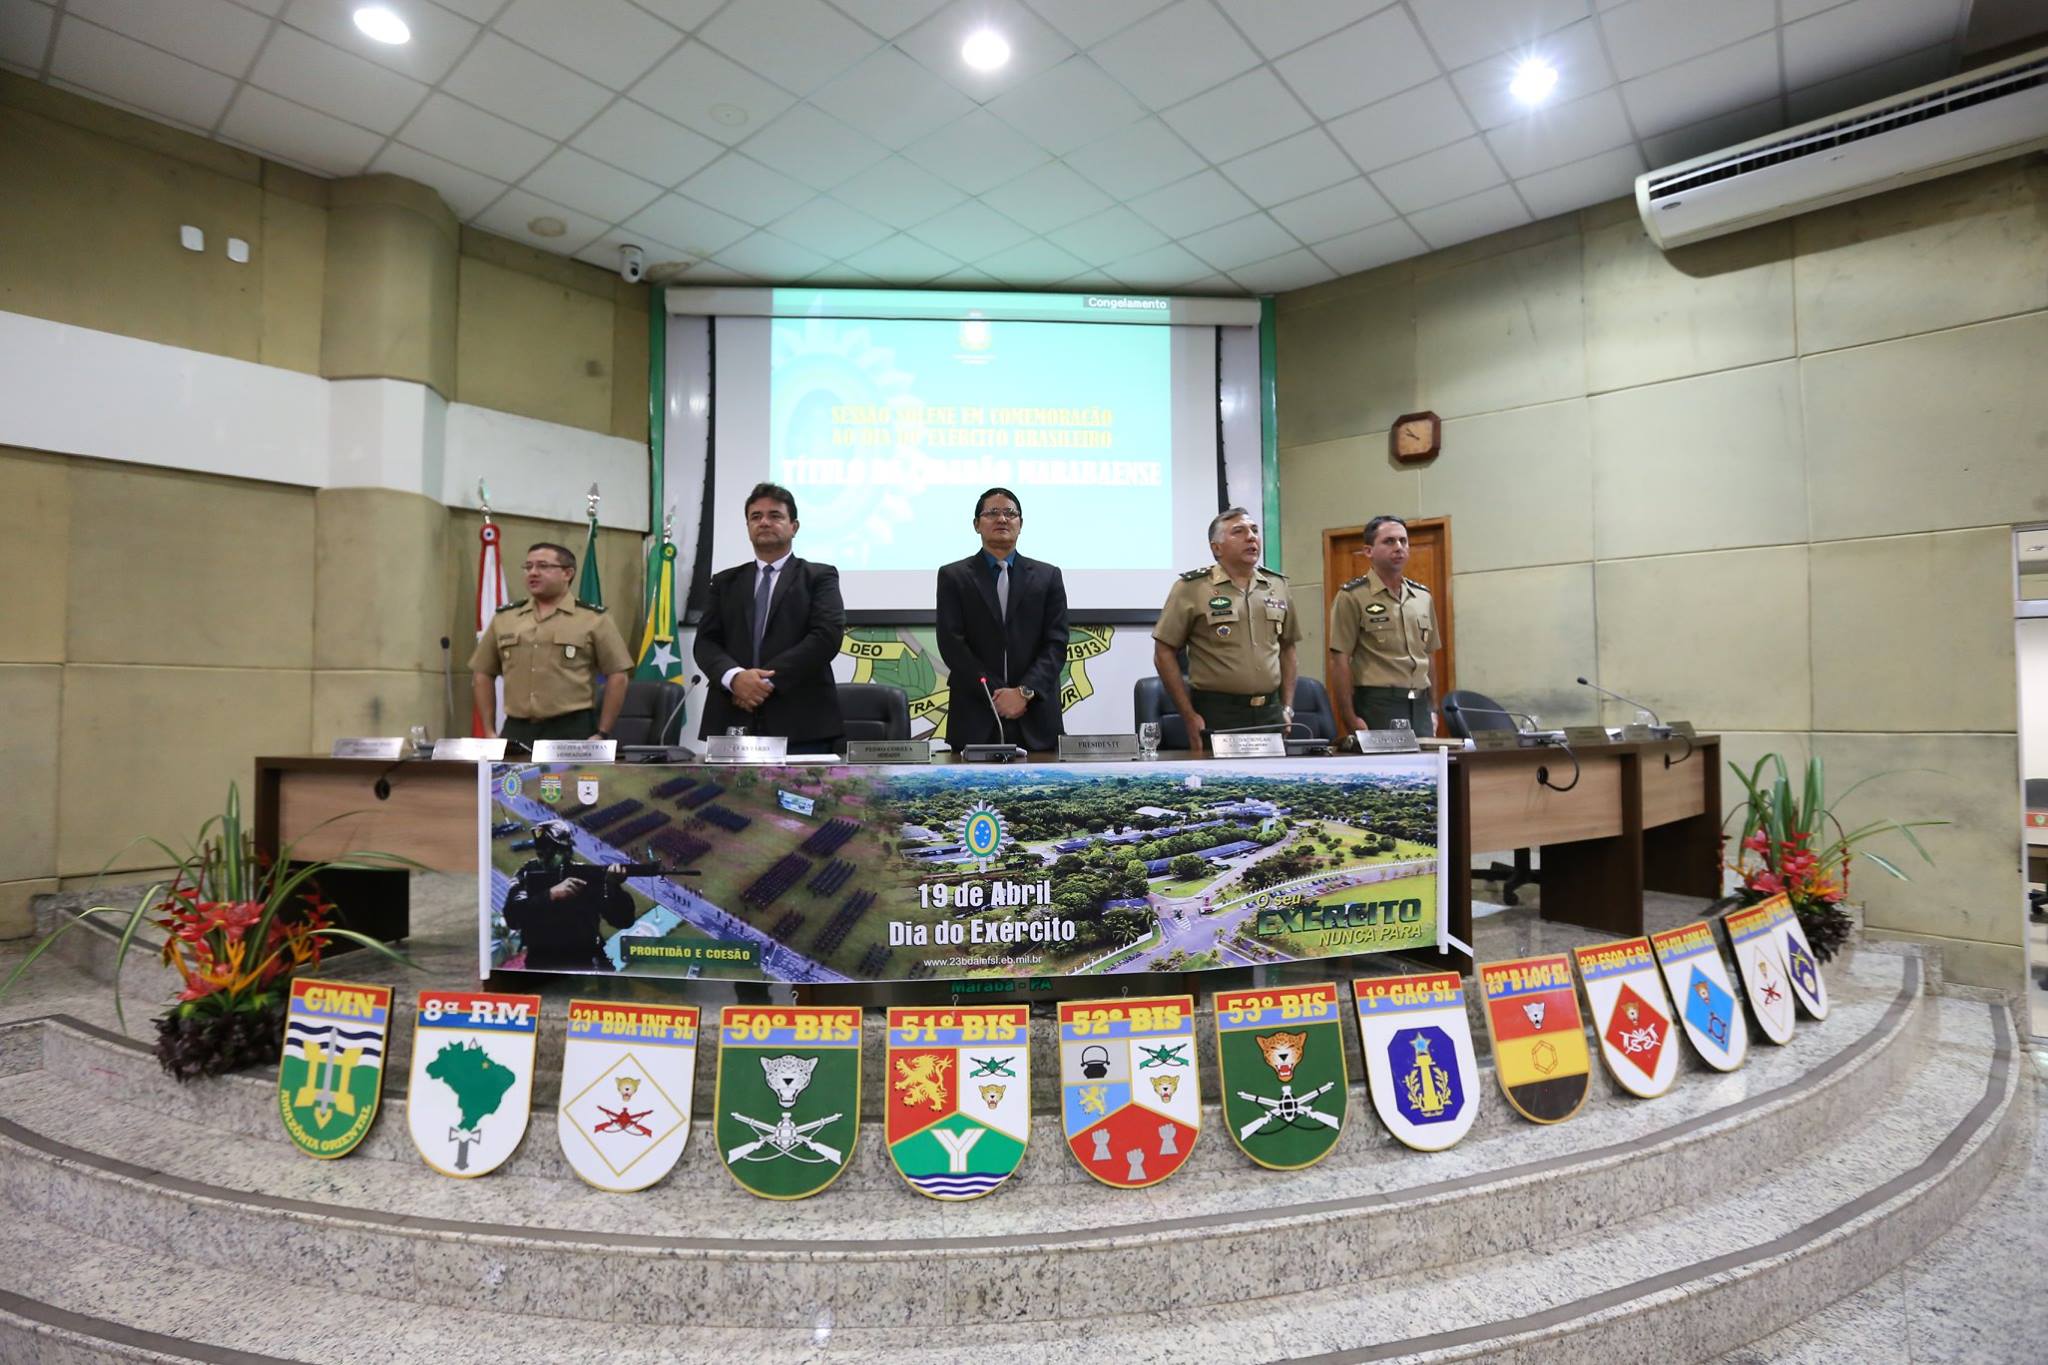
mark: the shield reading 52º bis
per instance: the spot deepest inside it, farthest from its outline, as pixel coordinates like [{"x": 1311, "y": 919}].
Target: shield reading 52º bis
[
  {"x": 332, "y": 1071},
  {"x": 1699, "y": 982},
  {"x": 787, "y": 1103},
  {"x": 1539, "y": 1043},
  {"x": 1419, "y": 1062},
  {"x": 472, "y": 1078},
  {"x": 1631, "y": 1017},
  {"x": 956, "y": 1097},
  {"x": 1752, "y": 937},
  {"x": 1130, "y": 1098},
  {"x": 1802, "y": 968},
  {"x": 1280, "y": 1058},
  {"x": 627, "y": 1076}
]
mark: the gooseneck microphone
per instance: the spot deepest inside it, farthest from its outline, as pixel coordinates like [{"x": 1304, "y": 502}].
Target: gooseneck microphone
[
  {"x": 1639, "y": 705},
  {"x": 1005, "y": 752},
  {"x": 1001, "y": 735}
]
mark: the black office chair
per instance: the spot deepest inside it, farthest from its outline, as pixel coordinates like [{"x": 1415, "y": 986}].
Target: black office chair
[
  {"x": 1486, "y": 715},
  {"x": 650, "y": 714},
  {"x": 874, "y": 711},
  {"x": 1312, "y": 708},
  {"x": 1148, "y": 702}
]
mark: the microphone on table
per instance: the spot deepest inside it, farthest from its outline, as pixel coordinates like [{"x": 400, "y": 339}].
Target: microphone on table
[
  {"x": 1655, "y": 723},
  {"x": 1459, "y": 708},
  {"x": 1005, "y": 752}
]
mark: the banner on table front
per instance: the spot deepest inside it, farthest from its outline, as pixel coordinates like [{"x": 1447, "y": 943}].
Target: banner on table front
[
  {"x": 957, "y": 1107},
  {"x": 1280, "y": 1065}
]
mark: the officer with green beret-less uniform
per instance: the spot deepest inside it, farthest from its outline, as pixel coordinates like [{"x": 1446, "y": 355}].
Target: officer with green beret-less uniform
[
  {"x": 1382, "y": 632},
  {"x": 1239, "y": 627},
  {"x": 549, "y": 648}
]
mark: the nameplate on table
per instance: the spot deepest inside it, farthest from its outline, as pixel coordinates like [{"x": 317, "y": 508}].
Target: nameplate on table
[
  {"x": 1097, "y": 748},
  {"x": 1586, "y": 736},
  {"x": 1387, "y": 741},
  {"x": 575, "y": 750},
  {"x": 746, "y": 749},
  {"x": 470, "y": 749},
  {"x": 888, "y": 751},
  {"x": 1249, "y": 746},
  {"x": 370, "y": 746},
  {"x": 1496, "y": 739},
  {"x": 1683, "y": 728},
  {"x": 1636, "y": 734}
]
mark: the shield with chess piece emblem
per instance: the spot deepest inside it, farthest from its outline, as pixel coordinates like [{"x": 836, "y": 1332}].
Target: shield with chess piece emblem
[{"x": 1130, "y": 1095}]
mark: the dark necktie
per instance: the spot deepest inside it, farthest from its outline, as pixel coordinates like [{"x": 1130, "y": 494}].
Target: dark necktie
[{"x": 763, "y": 590}]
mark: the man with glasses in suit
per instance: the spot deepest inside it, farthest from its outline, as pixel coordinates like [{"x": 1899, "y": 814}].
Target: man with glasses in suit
[{"x": 1003, "y": 618}]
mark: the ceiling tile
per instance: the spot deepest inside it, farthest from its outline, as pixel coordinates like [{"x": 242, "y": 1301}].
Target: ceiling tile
[
  {"x": 465, "y": 192},
  {"x": 1143, "y": 156},
  {"x": 1248, "y": 112},
  {"x": 1882, "y": 81},
  {"x": 1862, "y": 34},
  {"x": 687, "y": 225},
  {"x": 1359, "y": 65},
  {"x": 588, "y": 185},
  {"x": 966, "y": 277},
  {"x": 892, "y": 99},
  {"x": 633, "y": 137},
  {"x": 831, "y": 228},
  {"x": 1294, "y": 270},
  {"x": 1050, "y": 197},
  {"x": 1287, "y": 170},
  {"x": 1254, "y": 237},
  {"x": 1411, "y": 123},
  {"x": 886, "y": 17},
  {"x": 1575, "y": 52},
  {"x": 1437, "y": 177},
  {"x": 25, "y": 33},
  {"x": 1610, "y": 175},
  {"x": 814, "y": 147},
  {"x": 1334, "y": 212},
  {"x": 1111, "y": 235},
  {"x": 1649, "y": 35},
  {"x": 1213, "y": 285},
  {"x": 1192, "y": 204},
  {"x": 1567, "y": 133},
  {"x": 1036, "y": 262},
  {"x": 1794, "y": 10},
  {"x": 105, "y": 63},
  {"x": 840, "y": 275},
  {"x": 1464, "y": 31},
  {"x": 1088, "y": 22},
  {"x": 469, "y": 137},
  {"x": 898, "y": 193},
  {"x": 1704, "y": 87},
  {"x": 526, "y": 88},
  {"x": 1277, "y": 29},
  {"x": 702, "y": 90},
  {"x": 309, "y": 72},
  {"x": 610, "y": 41},
  {"x": 1163, "y": 267},
  {"x": 510, "y": 215},
  {"x": 219, "y": 36},
  {"x": 483, "y": 11},
  {"x": 745, "y": 189},
  {"x": 1725, "y": 130},
  {"x": 1035, "y": 45},
  {"x": 798, "y": 44},
  {"x": 970, "y": 232},
  {"x": 1479, "y": 215},
  {"x": 438, "y": 38},
  {"x": 903, "y": 260},
  {"x": 1092, "y": 281},
  {"x": 292, "y": 132},
  {"x": 1066, "y": 107},
  {"x": 1180, "y": 51},
  {"x": 976, "y": 153},
  {"x": 1371, "y": 247}
]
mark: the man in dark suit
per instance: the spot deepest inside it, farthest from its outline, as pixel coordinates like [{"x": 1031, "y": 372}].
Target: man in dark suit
[
  {"x": 768, "y": 635},
  {"x": 1002, "y": 617}
]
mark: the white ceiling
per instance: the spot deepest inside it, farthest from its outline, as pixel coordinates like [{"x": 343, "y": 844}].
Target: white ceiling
[{"x": 1193, "y": 146}]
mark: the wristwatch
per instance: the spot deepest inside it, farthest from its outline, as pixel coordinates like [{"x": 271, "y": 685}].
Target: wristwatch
[
  {"x": 1027, "y": 694},
  {"x": 604, "y": 734}
]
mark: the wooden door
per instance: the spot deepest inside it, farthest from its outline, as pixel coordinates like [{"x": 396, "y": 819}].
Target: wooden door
[{"x": 1429, "y": 563}]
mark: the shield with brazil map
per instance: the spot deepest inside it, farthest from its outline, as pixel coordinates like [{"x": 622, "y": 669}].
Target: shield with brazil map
[{"x": 472, "y": 1078}]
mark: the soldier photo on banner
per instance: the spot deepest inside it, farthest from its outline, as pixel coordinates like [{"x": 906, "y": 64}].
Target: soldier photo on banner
[
  {"x": 1130, "y": 1095},
  {"x": 1280, "y": 1065},
  {"x": 1753, "y": 939},
  {"x": 628, "y": 1075},
  {"x": 956, "y": 1096},
  {"x": 471, "y": 1084},
  {"x": 1705, "y": 993},
  {"x": 332, "y": 1071},
  {"x": 1631, "y": 1016},
  {"x": 786, "y": 1107},
  {"x": 1802, "y": 968},
  {"x": 1419, "y": 1062},
  {"x": 1539, "y": 1042}
]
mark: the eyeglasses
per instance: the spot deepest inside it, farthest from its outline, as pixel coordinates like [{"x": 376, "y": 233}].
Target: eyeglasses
[
  {"x": 530, "y": 565},
  {"x": 1003, "y": 514}
]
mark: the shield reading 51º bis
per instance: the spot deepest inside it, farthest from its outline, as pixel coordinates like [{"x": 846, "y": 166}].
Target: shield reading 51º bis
[
  {"x": 1700, "y": 983},
  {"x": 956, "y": 1098},
  {"x": 1280, "y": 1059},
  {"x": 332, "y": 1070},
  {"x": 627, "y": 1075},
  {"x": 1130, "y": 1098},
  {"x": 1539, "y": 1044},
  {"x": 1802, "y": 968},
  {"x": 1419, "y": 1062},
  {"x": 1753, "y": 938},
  {"x": 472, "y": 1078},
  {"x": 1631, "y": 1016},
  {"x": 787, "y": 1103}
]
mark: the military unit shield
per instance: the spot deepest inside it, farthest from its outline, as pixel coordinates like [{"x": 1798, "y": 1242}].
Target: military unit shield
[
  {"x": 787, "y": 1106},
  {"x": 472, "y": 1078},
  {"x": 1280, "y": 1055},
  {"x": 1419, "y": 1062},
  {"x": 1631, "y": 1016},
  {"x": 1699, "y": 982},
  {"x": 957, "y": 1097},
  {"x": 1539, "y": 1044},
  {"x": 1130, "y": 1098},
  {"x": 1752, "y": 936},
  {"x": 1802, "y": 968},
  {"x": 333, "y": 1066},
  {"x": 627, "y": 1076}
]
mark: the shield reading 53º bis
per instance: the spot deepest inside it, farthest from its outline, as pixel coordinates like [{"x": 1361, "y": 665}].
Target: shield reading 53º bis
[
  {"x": 1753, "y": 938},
  {"x": 1539, "y": 1043},
  {"x": 627, "y": 1075},
  {"x": 1280, "y": 1060},
  {"x": 1802, "y": 968},
  {"x": 1631, "y": 1017},
  {"x": 787, "y": 1103},
  {"x": 956, "y": 1096},
  {"x": 1419, "y": 1062},
  {"x": 1130, "y": 1098},
  {"x": 1699, "y": 982},
  {"x": 332, "y": 1071},
  {"x": 472, "y": 1078}
]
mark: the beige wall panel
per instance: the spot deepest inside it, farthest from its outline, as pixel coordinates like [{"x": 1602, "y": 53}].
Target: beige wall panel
[
  {"x": 204, "y": 727},
  {"x": 1524, "y": 634},
  {"x": 1914, "y": 633},
  {"x": 630, "y": 377},
  {"x": 176, "y": 568},
  {"x": 535, "y": 347},
  {"x": 1517, "y": 486},
  {"x": 292, "y": 260},
  {"x": 1346, "y": 366},
  {"x": 1929, "y": 433},
  {"x": 378, "y": 584},
  {"x": 35, "y": 526},
  {"x": 1337, "y": 483},
  {"x": 1717, "y": 639},
  {"x": 1973, "y": 890},
  {"x": 1709, "y": 463},
  {"x": 1652, "y": 316},
  {"x": 17, "y": 919},
  {"x": 388, "y": 299},
  {"x": 1960, "y": 249},
  {"x": 1502, "y": 332},
  {"x": 382, "y": 703},
  {"x": 618, "y": 558},
  {"x": 1308, "y": 655},
  {"x": 29, "y": 699}
]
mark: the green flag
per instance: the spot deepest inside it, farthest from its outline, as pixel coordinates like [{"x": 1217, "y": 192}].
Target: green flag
[
  {"x": 588, "y": 588},
  {"x": 658, "y": 660}
]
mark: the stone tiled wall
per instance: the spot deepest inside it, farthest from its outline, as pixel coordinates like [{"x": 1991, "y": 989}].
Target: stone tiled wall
[{"x": 1763, "y": 482}]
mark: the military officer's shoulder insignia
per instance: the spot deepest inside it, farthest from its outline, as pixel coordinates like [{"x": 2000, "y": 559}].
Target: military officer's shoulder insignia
[
  {"x": 472, "y": 1078},
  {"x": 787, "y": 1103},
  {"x": 1761, "y": 959},
  {"x": 511, "y": 606},
  {"x": 1631, "y": 1015},
  {"x": 1281, "y": 1054},
  {"x": 628, "y": 1072},
  {"x": 1130, "y": 1098},
  {"x": 1419, "y": 1062},
  {"x": 589, "y": 606},
  {"x": 1418, "y": 585},
  {"x": 1539, "y": 1043},
  {"x": 1192, "y": 574},
  {"x": 1272, "y": 573},
  {"x": 957, "y": 1103},
  {"x": 332, "y": 1070},
  {"x": 1699, "y": 982},
  {"x": 1357, "y": 582}
]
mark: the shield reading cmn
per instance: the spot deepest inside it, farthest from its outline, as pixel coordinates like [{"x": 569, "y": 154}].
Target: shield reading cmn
[
  {"x": 1631, "y": 1016},
  {"x": 786, "y": 1110},
  {"x": 1802, "y": 968},
  {"x": 332, "y": 1071},
  {"x": 472, "y": 1078},
  {"x": 1419, "y": 1062},
  {"x": 1705, "y": 993},
  {"x": 1539, "y": 1042},
  {"x": 1753, "y": 938},
  {"x": 1280, "y": 1061},
  {"x": 628, "y": 1072},
  {"x": 1130, "y": 1097},
  {"x": 956, "y": 1097}
]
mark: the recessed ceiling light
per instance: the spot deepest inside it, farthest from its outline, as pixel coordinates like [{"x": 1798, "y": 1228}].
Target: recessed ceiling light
[
  {"x": 1533, "y": 82},
  {"x": 547, "y": 226},
  {"x": 382, "y": 24},
  {"x": 731, "y": 115},
  {"x": 985, "y": 50}
]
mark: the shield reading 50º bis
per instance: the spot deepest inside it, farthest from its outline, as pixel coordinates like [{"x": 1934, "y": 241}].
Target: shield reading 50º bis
[
  {"x": 627, "y": 1076},
  {"x": 956, "y": 1097},
  {"x": 1752, "y": 936},
  {"x": 1130, "y": 1098},
  {"x": 1802, "y": 968},
  {"x": 1280, "y": 1055},
  {"x": 472, "y": 1078},
  {"x": 1419, "y": 1062},
  {"x": 332, "y": 1071},
  {"x": 1699, "y": 982},
  {"x": 1631, "y": 1016},
  {"x": 787, "y": 1102},
  {"x": 1539, "y": 1043}
]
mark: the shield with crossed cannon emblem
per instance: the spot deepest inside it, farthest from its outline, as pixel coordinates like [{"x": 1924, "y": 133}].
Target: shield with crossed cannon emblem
[
  {"x": 332, "y": 1071},
  {"x": 1280, "y": 1055},
  {"x": 786, "y": 1110},
  {"x": 1130, "y": 1098},
  {"x": 1760, "y": 957},
  {"x": 956, "y": 1096},
  {"x": 627, "y": 1075},
  {"x": 1802, "y": 968}
]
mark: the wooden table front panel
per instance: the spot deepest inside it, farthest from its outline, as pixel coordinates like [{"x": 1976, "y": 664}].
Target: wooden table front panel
[
  {"x": 1674, "y": 793},
  {"x": 1510, "y": 809},
  {"x": 430, "y": 815}
]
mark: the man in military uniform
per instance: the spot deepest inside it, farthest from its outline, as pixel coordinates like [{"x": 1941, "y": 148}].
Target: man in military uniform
[
  {"x": 556, "y": 914},
  {"x": 1239, "y": 627},
  {"x": 1382, "y": 632},
  {"x": 549, "y": 647}
]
